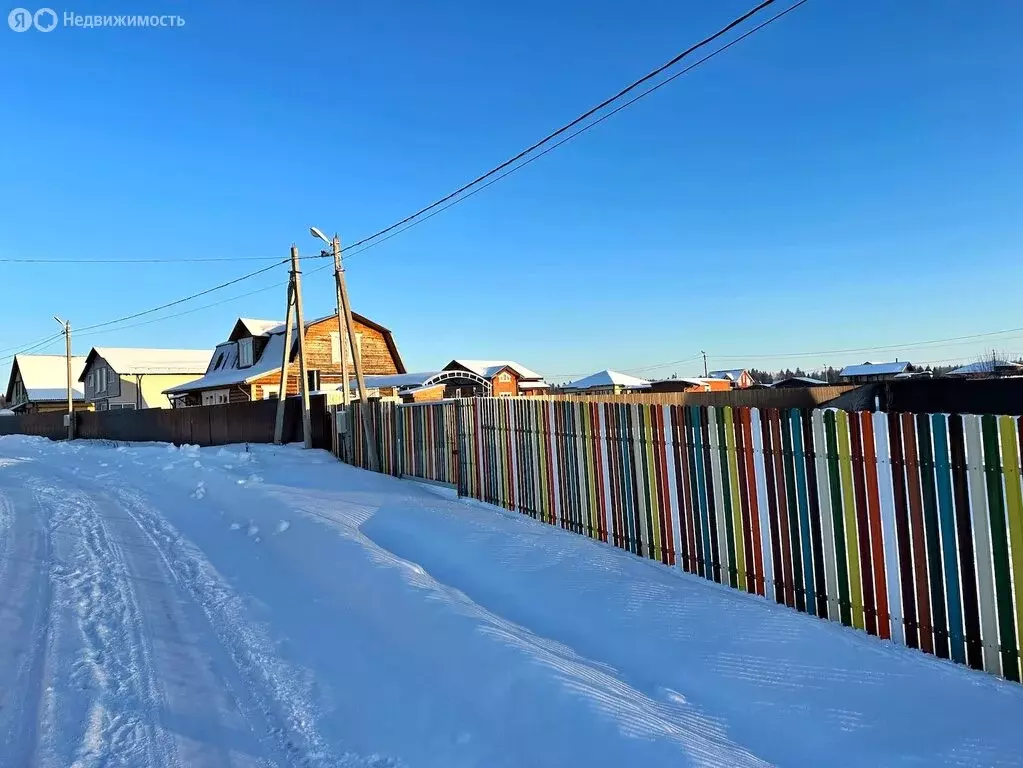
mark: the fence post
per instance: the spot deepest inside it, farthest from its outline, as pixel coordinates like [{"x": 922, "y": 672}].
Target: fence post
[{"x": 399, "y": 440}]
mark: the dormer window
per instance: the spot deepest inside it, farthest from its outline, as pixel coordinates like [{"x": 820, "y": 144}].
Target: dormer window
[{"x": 245, "y": 353}]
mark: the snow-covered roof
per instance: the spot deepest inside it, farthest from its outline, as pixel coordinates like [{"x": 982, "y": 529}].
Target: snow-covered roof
[
  {"x": 7, "y": 412},
  {"x": 227, "y": 374},
  {"x": 800, "y": 379},
  {"x": 874, "y": 369},
  {"x": 534, "y": 385},
  {"x": 489, "y": 368},
  {"x": 397, "y": 380},
  {"x": 987, "y": 366},
  {"x": 259, "y": 327},
  {"x": 45, "y": 377},
  {"x": 609, "y": 378},
  {"x": 131, "y": 360},
  {"x": 732, "y": 374}
]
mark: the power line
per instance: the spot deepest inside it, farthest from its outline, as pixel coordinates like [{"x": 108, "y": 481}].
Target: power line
[
  {"x": 890, "y": 347},
  {"x": 417, "y": 217},
  {"x": 568, "y": 126},
  {"x": 182, "y": 300},
  {"x": 349, "y": 253},
  {"x": 182, "y": 314},
  {"x": 202, "y": 260},
  {"x": 30, "y": 343},
  {"x": 44, "y": 343}
]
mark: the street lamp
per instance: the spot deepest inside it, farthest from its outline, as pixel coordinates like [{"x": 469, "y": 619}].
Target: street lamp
[{"x": 317, "y": 233}]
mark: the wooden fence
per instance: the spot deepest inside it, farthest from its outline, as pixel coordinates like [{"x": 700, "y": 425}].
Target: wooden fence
[
  {"x": 49, "y": 425},
  {"x": 416, "y": 439},
  {"x": 203, "y": 425},
  {"x": 907, "y": 526}
]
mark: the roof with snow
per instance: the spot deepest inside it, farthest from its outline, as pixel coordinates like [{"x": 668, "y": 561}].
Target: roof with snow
[
  {"x": 225, "y": 372},
  {"x": 258, "y": 327},
  {"x": 45, "y": 377},
  {"x": 732, "y": 374},
  {"x": 425, "y": 380},
  {"x": 609, "y": 378},
  {"x": 139, "y": 361},
  {"x": 490, "y": 368},
  {"x": 875, "y": 369},
  {"x": 798, "y": 380},
  {"x": 987, "y": 366}
]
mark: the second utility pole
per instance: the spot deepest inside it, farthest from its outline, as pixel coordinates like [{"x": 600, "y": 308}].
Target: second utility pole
[
  {"x": 345, "y": 305},
  {"x": 303, "y": 373},
  {"x": 70, "y": 380},
  {"x": 704, "y": 363}
]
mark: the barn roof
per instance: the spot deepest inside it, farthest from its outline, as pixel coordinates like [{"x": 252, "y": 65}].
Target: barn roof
[
  {"x": 875, "y": 369},
  {"x": 609, "y": 378}
]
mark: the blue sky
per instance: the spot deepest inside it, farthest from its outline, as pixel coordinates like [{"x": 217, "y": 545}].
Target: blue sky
[{"x": 849, "y": 177}]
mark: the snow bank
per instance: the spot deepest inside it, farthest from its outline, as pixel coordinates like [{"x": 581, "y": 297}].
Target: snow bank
[{"x": 339, "y": 617}]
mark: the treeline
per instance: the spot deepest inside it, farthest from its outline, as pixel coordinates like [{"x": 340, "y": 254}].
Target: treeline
[{"x": 830, "y": 374}]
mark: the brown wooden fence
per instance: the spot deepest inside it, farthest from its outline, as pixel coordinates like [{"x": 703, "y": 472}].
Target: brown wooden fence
[
  {"x": 204, "y": 425},
  {"x": 795, "y": 397},
  {"x": 49, "y": 425}
]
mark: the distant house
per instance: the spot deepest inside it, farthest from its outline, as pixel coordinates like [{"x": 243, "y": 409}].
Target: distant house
[
  {"x": 248, "y": 365},
  {"x": 426, "y": 386},
  {"x": 869, "y": 372},
  {"x": 988, "y": 369},
  {"x": 690, "y": 384},
  {"x": 607, "y": 382},
  {"x": 795, "y": 382},
  {"x": 507, "y": 378},
  {"x": 38, "y": 384},
  {"x": 119, "y": 378},
  {"x": 740, "y": 377}
]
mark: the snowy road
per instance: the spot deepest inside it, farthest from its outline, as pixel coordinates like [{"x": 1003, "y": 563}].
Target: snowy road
[{"x": 177, "y": 607}]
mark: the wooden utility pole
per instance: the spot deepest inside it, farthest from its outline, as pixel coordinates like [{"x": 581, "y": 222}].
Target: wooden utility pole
[
  {"x": 342, "y": 338},
  {"x": 367, "y": 422},
  {"x": 70, "y": 379},
  {"x": 704, "y": 363},
  {"x": 294, "y": 313},
  {"x": 282, "y": 391},
  {"x": 303, "y": 381}
]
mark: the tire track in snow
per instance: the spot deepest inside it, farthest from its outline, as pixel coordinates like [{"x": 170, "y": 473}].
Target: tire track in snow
[
  {"x": 25, "y": 617},
  {"x": 122, "y": 725},
  {"x": 274, "y": 702}
]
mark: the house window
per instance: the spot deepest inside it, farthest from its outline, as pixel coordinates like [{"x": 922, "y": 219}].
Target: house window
[
  {"x": 505, "y": 377},
  {"x": 313, "y": 380},
  {"x": 122, "y": 406},
  {"x": 245, "y": 353},
  {"x": 102, "y": 380},
  {"x": 271, "y": 391},
  {"x": 505, "y": 394},
  {"x": 216, "y": 396}
]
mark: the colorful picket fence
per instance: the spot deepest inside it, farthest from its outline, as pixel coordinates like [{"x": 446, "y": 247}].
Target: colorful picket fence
[
  {"x": 428, "y": 441},
  {"x": 378, "y": 442},
  {"x": 907, "y": 526},
  {"x": 416, "y": 439}
]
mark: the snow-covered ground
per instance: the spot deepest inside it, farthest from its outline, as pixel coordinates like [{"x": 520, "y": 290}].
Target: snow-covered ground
[{"x": 218, "y": 607}]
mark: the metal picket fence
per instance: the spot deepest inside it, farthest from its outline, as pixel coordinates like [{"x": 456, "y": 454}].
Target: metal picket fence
[{"x": 907, "y": 526}]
